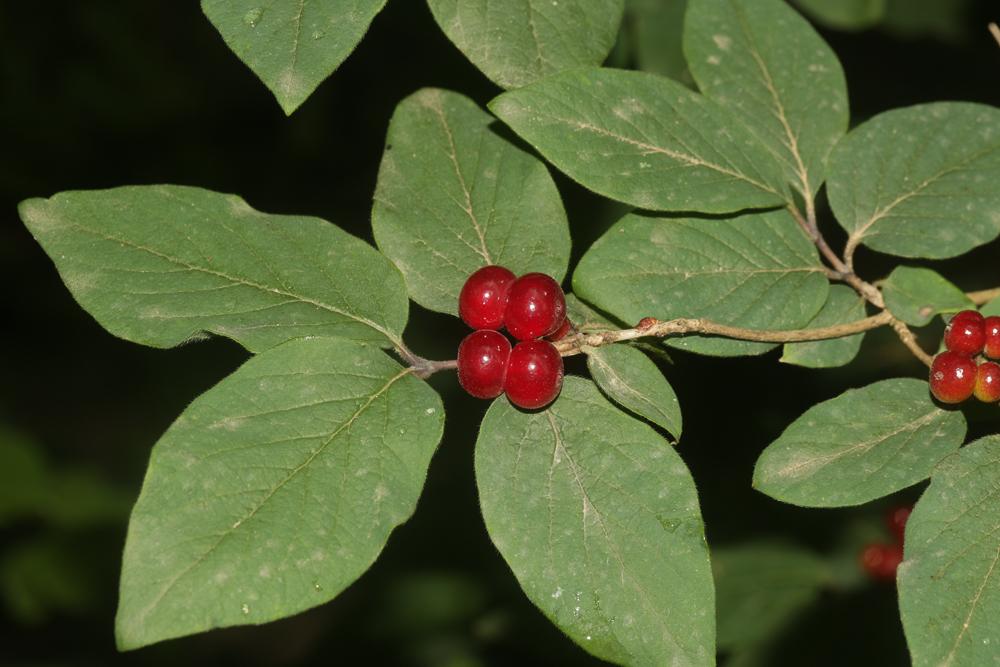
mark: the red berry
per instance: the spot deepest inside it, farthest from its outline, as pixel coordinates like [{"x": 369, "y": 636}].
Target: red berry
[
  {"x": 953, "y": 377},
  {"x": 562, "y": 332},
  {"x": 483, "y": 299},
  {"x": 482, "y": 363},
  {"x": 881, "y": 560},
  {"x": 536, "y": 307},
  {"x": 896, "y": 520},
  {"x": 991, "y": 326},
  {"x": 534, "y": 374},
  {"x": 966, "y": 333},
  {"x": 987, "y": 387}
]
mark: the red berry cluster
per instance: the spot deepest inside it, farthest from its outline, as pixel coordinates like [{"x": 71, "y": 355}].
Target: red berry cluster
[
  {"x": 531, "y": 308},
  {"x": 955, "y": 374},
  {"x": 881, "y": 560}
]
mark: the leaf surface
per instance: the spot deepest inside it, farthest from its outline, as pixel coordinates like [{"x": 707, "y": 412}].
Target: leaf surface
[
  {"x": 630, "y": 379},
  {"x": 843, "y": 305},
  {"x": 915, "y": 295}
]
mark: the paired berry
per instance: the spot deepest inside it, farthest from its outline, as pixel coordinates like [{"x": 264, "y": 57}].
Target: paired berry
[
  {"x": 530, "y": 307},
  {"x": 536, "y": 307},
  {"x": 953, "y": 377},
  {"x": 987, "y": 387},
  {"x": 534, "y": 374},
  {"x": 881, "y": 560},
  {"x": 991, "y": 328},
  {"x": 483, "y": 300},
  {"x": 966, "y": 333},
  {"x": 896, "y": 521},
  {"x": 482, "y": 363}
]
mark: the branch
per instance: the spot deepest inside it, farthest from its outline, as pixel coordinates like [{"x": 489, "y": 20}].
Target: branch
[
  {"x": 995, "y": 31},
  {"x": 983, "y": 297}
]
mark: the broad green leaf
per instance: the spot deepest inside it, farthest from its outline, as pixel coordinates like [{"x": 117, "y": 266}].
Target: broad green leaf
[
  {"x": 584, "y": 317},
  {"x": 453, "y": 196},
  {"x": 949, "y": 597},
  {"x": 843, "y": 305},
  {"x": 598, "y": 518},
  {"x": 763, "y": 61},
  {"x": 761, "y": 587},
  {"x": 515, "y": 43},
  {"x": 657, "y": 27},
  {"x": 862, "y": 445},
  {"x": 161, "y": 265},
  {"x": 629, "y": 378},
  {"x": 757, "y": 271},
  {"x": 292, "y": 46},
  {"x": 920, "y": 181},
  {"x": 916, "y": 295},
  {"x": 931, "y": 19},
  {"x": 275, "y": 489},
  {"x": 644, "y": 140},
  {"x": 992, "y": 308},
  {"x": 845, "y": 14}
]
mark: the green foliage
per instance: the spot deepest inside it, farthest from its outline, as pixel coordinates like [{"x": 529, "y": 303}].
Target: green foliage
[
  {"x": 920, "y": 181},
  {"x": 644, "y": 140},
  {"x": 515, "y": 43},
  {"x": 845, "y": 14},
  {"x": 275, "y": 489},
  {"x": 598, "y": 518},
  {"x": 656, "y": 27},
  {"x": 161, "y": 265},
  {"x": 948, "y": 595},
  {"x": 764, "y": 62},
  {"x": 712, "y": 268},
  {"x": 629, "y": 378},
  {"x": 862, "y": 445},
  {"x": 842, "y": 305},
  {"x": 291, "y": 46},
  {"x": 454, "y": 196},
  {"x": 916, "y": 295}
]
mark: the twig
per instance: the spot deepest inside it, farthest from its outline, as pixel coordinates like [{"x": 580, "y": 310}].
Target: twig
[
  {"x": 984, "y": 296},
  {"x": 910, "y": 341},
  {"x": 995, "y": 31}
]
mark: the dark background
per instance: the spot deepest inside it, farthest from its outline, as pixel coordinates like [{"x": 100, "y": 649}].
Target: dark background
[{"x": 97, "y": 94}]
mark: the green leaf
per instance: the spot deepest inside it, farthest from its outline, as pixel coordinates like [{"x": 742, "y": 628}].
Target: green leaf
[
  {"x": 515, "y": 43},
  {"x": 291, "y": 46},
  {"x": 843, "y": 305},
  {"x": 763, "y": 61},
  {"x": 845, "y": 14},
  {"x": 992, "y": 308},
  {"x": 761, "y": 588},
  {"x": 916, "y": 295},
  {"x": 23, "y": 477},
  {"x": 757, "y": 271},
  {"x": 598, "y": 518},
  {"x": 657, "y": 26},
  {"x": 644, "y": 140},
  {"x": 920, "y": 181},
  {"x": 453, "y": 196},
  {"x": 862, "y": 445},
  {"x": 584, "y": 317},
  {"x": 629, "y": 378},
  {"x": 161, "y": 265},
  {"x": 275, "y": 489},
  {"x": 949, "y": 598}
]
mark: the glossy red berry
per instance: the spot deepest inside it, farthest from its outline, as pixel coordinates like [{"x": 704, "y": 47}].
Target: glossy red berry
[
  {"x": 483, "y": 299},
  {"x": 881, "y": 560},
  {"x": 562, "y": 331},
  {"x": 534, "y": 374},
  {"x": 966, "y": 333},
  {"x": 536, "y": 307},
  {"x": 482, "y": 363},
  {"x": 896, "y": 521},
  {"x": 987, "y": 387},
  {"x": 991, "y": 346},
  {"x": 953, "y": 377}
]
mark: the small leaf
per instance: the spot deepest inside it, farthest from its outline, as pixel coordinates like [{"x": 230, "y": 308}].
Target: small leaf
[
  {"x": 761, "y": 588},
  {"x": 948, "y": 593},
  {"x": 515, "y": 43},
  {"x": 862, "y": 445},
  {"x": 644, "y": 140},
  {"x": 920, "y": 181},
  {"x": 291, "y": 46},
  {"x": 598, "y": 518},
  {"x": 629, "y": 378},
  {"x": 657, "y": 27},
  {"x": 843, "y": 305},
  {"x": 916, "y": 295},
  {"x": 453, "y": 196},
  {"x": 584, "y": 317},
  {"x": 992, "y": 308},
  {"x": 756, "y": 271},
  {"x": 161, "y": 265},
  {"x": 845, "y": 14},
  {"x": 764, "y": 62},
  {"x": 275, "y": 489}
]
